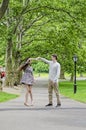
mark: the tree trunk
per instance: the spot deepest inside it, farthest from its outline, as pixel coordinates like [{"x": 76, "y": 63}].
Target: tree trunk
[
  {"x": 1, "y": 88},
  {"x": 17, "y": 57},
  {"x": 81, "y": 74},
  {"x": 16, "y": 66},
  {"x": 9, "y": 69},
  {"x": 72, "y": 77},
  {"x": 3, "y": 7},
  {"x": 25, "y": 2},
  {"x": 62, "y": 76}
]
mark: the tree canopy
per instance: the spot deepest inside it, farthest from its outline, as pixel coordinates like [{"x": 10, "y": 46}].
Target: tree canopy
[{"x": 34, "y": 28}]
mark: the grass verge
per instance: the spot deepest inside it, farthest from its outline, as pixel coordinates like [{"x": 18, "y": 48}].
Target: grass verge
[
  {"x": 67, "y": 89},
  {"x": 6, "y": 96}
]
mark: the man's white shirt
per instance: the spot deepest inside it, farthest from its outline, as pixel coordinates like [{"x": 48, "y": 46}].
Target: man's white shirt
[{"x": 54, "y": 69}]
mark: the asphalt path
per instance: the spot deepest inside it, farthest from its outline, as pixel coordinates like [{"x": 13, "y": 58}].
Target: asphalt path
[{"x": 15, "y": 116}]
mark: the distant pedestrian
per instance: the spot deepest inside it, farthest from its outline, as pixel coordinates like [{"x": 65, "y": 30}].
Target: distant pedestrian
[
  {"x": 54, "y": 74},
  {"x": 28, "y": 80}
]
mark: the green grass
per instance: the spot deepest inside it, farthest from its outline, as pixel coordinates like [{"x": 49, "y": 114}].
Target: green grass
[
  {"x": 42, "y": 75},
  {"x": 77, "y": 75},
  {"x": 45, "y": 75},
  {"x": 67, "y": 89},
  {"x": 6, "y": 96}
]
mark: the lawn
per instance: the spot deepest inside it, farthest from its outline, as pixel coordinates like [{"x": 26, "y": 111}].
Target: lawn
[
  {"x": 42, "y": 75},
  {"x": 66, "y": 89},
  {"x": 6, "y": 96}
]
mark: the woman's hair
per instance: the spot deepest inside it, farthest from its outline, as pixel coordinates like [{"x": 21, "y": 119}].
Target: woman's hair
[{"x": 25, "y": 65}]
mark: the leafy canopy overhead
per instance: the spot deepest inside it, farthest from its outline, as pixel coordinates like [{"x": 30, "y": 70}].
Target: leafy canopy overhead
[{"x": 47, "y": 27}]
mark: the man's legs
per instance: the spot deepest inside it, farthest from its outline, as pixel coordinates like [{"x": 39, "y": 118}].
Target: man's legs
[
  {"x": 50, "y": 92},
  {"x": 55, "y": 86}
]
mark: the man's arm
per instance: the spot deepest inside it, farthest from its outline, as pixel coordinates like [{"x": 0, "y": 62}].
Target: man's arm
[{"x": 44, "y": 60}]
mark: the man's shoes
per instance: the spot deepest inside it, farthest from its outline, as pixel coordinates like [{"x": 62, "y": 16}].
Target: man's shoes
[
  {"x": 58, "y": 105},
  {"x": 48, "y": 105}
]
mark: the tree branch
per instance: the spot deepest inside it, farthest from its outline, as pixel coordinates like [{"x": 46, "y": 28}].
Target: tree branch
[
  {"x": 3, "y": 7},
  {"x": 19, "y": 18},
  {"x": 32, "y": 22},
  {"x": 51, "y": 8}
]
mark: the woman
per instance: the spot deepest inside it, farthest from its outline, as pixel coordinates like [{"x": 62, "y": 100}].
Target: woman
[{"x": 28, "y": 80}]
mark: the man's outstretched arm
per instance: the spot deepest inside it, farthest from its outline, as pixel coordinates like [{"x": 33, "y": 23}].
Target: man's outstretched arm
[{"x": 44, "y": 60}]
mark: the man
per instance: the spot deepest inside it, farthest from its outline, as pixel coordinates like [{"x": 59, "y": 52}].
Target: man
[{"x": 54, "y": 74}]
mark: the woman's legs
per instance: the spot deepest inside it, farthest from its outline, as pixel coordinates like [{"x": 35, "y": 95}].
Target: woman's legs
[
  {"x": 26, "y": 95},
  {"x": 28, "y": 91}
]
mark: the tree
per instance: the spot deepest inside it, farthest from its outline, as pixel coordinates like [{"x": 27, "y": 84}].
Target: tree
[
  {"x": 40, "y": 28},
  {"x": 3, "y": 7}
]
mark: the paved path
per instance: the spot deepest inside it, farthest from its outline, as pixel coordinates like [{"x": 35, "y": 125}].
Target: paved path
[{"x": 15, "y": 116}]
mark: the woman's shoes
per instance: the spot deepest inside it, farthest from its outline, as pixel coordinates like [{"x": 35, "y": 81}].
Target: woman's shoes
[{"x": 26, "y": 104}]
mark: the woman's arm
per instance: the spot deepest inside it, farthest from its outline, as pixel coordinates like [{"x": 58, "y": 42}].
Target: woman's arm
[{"x": 40, "y": 58}]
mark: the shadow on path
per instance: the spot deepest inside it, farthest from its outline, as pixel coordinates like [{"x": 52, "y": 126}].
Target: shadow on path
[{"x": 42, "y": 108}]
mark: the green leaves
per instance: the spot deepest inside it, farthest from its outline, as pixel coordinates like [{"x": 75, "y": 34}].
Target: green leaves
[
  {"x": 48, "y": 27},
  {"x": 40, "y": 67}
]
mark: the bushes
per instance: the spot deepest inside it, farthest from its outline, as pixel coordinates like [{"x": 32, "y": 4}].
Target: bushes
[{"x": 40, "y": 67}]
